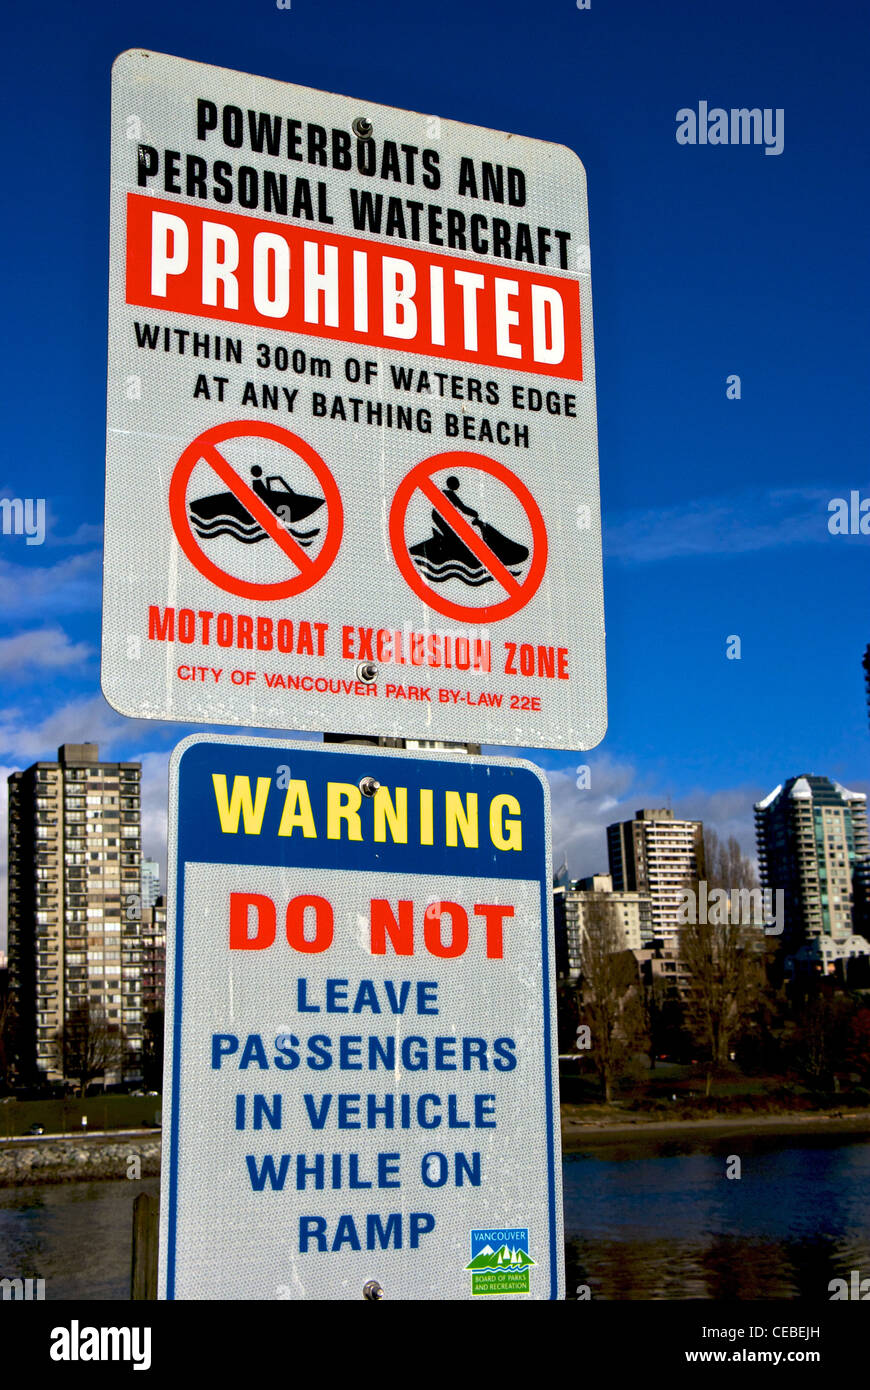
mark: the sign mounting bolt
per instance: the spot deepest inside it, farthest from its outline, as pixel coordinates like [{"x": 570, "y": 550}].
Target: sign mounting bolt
[
  {"x": 363, "y": 128},
  {"x": 372, "y": 1291},
  {"x": 366, "y": 671},
  {"x": 368, "y": 786}
]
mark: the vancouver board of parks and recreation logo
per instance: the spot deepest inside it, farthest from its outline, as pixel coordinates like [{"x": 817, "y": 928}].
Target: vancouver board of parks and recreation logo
[{"x": 500, "y": 1261}]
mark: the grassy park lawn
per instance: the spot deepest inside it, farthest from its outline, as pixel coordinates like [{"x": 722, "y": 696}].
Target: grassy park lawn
[{"x": 65, "y": 1116}]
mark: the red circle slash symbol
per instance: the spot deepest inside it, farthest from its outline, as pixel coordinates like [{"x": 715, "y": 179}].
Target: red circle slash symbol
[
  {"x": 256, "y": 516},
  {"x": 473, "y": 552}
]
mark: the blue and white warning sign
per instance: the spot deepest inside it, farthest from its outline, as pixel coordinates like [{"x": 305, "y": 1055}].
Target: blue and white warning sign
[{"x": 360, "y": 1088}]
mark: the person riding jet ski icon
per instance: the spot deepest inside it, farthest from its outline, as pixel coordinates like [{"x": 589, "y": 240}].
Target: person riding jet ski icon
[{"x": 444, "y": 556}]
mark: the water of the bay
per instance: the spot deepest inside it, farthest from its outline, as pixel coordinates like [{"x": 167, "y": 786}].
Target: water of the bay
[
  {"x": 663, "y": 1221},
  {"x": 642, "y": 1220}
]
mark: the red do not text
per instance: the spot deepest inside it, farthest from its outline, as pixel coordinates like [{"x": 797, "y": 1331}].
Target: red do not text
[{"x": 442, "y": 929}]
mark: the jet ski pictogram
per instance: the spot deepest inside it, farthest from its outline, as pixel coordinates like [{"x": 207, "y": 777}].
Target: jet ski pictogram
[
  {"x": 444, "y": 556},
  {"x": 222, "y": 514}
]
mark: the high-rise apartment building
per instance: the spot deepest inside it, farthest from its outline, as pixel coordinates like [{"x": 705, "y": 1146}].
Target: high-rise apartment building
[
  {"x": 153, "y": 933},
  {"x": 656, "y": 855},
  {"x": 74, "y": 859},
  {"x": 631, "y": 913},
  {"x": 150, "y": 878},
  {"x": 812, "y": 834}
]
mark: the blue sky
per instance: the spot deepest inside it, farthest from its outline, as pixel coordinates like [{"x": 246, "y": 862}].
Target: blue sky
[{"x": 706, "y": 261}]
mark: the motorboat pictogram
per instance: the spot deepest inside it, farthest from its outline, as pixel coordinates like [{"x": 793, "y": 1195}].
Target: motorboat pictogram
[{"x": 223, "y": 514}]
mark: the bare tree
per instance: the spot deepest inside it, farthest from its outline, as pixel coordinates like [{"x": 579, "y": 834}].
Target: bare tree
[
  {"x": 152, "y": 1050},
  {"x": 611, "y": 1003},
  {"x": 723, "y": 957},
  {"x": 88, "y": 1046},
  {"x": 726, "y": 865},
  {"x": 662, "y": 1014},
  {"x": 820, "y": 1043}
]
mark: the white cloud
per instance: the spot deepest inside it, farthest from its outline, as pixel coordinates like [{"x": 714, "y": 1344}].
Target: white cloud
[
  {"x": 733, "y": 525},
  {"x": 71, "y": 586},
  {"x": 581, "y": 818},
  {"x": 42, "y": 649},
  {"x": 729, "y": 811},
  {"x": 86, "y": 533},
  {"x": 86, "y": 720}
]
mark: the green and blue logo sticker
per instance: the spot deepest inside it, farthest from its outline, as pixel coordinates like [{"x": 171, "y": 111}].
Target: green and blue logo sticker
[{"x": 500, "y": 1260}]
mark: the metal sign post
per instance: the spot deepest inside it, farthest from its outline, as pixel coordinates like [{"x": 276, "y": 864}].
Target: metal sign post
[
  {"x": 361, "y": 1097},
  {"x": 352, "y": 471}
]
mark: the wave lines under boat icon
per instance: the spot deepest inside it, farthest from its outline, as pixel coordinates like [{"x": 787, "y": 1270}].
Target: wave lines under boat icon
[{"x": 222, "y": 514}]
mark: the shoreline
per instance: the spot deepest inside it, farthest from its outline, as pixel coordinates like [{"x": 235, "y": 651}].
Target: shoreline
[
  {"x": 50, "y": 1159},
  {"x": 579, "y": 1134},
  {"x": 71, "y": 1158}
]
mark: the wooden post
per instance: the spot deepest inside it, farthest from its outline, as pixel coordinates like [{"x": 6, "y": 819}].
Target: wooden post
[{"x": 143, "y": 1274}]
